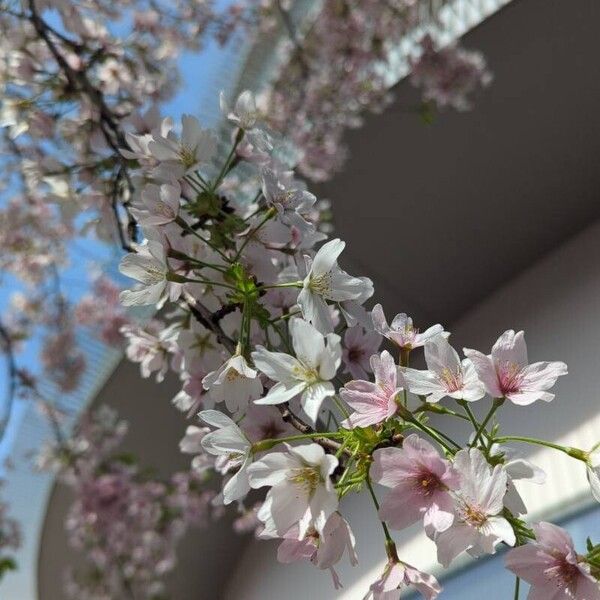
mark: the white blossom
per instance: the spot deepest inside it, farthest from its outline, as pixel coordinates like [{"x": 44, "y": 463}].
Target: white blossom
[
  {"x": 325, "y": 281},
  {"x": 301, "y": 493},
  {"x": 308, "y": 374}
]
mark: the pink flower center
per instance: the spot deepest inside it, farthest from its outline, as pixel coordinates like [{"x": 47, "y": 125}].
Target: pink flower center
[
  {"x": 355, "y": 354},
  {"x": 510, "y": 377},
  {"x": 426, "y": 483},
  {"x": 563, "y": 574}
]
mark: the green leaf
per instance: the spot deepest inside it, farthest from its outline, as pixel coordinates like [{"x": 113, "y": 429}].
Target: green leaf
[
  {"x": 7, "y": 563},
  {"x": 205, "y": 205}
]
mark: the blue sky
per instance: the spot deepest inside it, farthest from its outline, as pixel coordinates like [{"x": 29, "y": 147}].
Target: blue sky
[{"x": 198, "y": 95}]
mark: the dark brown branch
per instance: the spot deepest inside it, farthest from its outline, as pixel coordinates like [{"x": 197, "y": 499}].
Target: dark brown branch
[
  {"x": 211, "y": 322},
  {"x": 109, "y": 123},
  {"x": 293, "y": 35},
  {"x": 7, "y": 347},
  {"x": 289, "y": 417}
]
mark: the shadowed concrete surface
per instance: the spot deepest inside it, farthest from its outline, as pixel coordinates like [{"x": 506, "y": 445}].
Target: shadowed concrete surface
[{"x": 441, "y": 215}]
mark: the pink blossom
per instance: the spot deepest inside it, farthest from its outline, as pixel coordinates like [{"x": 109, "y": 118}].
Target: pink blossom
[
  {"x": 478, "y": 526},
  {"x": 264, "y": 423},
  {"x": 421, "y": 482},
  {"x": 323, "y": 550},
  {"x": 401, "y": 331},
  {"x": 552, "y": 567},
  {"x": 373, "y": 402},
  {"x": 447, "y": 375},
  {"x": 448, "y": 76},
  {"x": 397, "y": 576},
  {"x": 358, "y": 347},
  {"x": 505, "y": 373},
  {"x": 150, "y": 346}
]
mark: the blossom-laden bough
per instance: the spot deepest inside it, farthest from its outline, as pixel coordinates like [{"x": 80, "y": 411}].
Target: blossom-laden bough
[
  {"x": 258, "y": 315},
  {"x": 78, "y": 78},
  {"x": 275, "y": 327}
]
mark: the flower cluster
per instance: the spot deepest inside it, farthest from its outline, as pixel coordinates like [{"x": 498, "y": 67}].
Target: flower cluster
[
  {"x": 337, "y": 68},
  {"x": 74, "y": 78},
  {"x": 126, "y": 524},
  {"x": 449, "y": 76},
  {"x": 78, "y": 78},
  {"x": 262, "y": 318}
]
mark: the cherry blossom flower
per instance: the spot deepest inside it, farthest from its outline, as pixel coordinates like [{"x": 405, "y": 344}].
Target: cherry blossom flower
[
  {"x": 150, "y": 346},
  {"x": 191, "y": 443},
  {"x": 593, "y": 472},
  {"x": 159, "y": 204},
  {"x": 373, "y": 402},
  {"x": 301, "y": 491},
  {"x": 244, "y": 113},
  {"x": 323, "y": 550},
  {"x": 505, "y": 373},
  {"x": 358, "y": 347},
  {"x": 288, "y": 196},
  {"x": 477, "y": 526},
  {"x": 325, "y": 281},
  {"x": 199, "y": 348},
  {"x": 446, "y": 374},
  {"x": 307, "y": 375},
  {"x": 449, "y": 75},
  {"x": 230, "y": 444},
  {"x": 148, "y": 266},
  {"x": 195, "y": 147},
  {"x": 517, "y": 469},
  {"x": 264, "y": 423},
  {"x": 421, "y": 482},
  {"x": 234, "y": 383},
  {"x": 552, "y": 567},
  {"x": 402, "y": 332},
  {"x": 397, "y": 577}
]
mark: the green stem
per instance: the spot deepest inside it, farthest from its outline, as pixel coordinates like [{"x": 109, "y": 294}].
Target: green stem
[
  {"x": 199, "y": 186},
  {"x": 186, "y": 258},
  {"x": 297, "y": 284},
  {"x": 182, "y": 279},
  {"x": 268, "y": 215},
  {"x": 189, "y": 229},
  {"x": 497, "y": 403},
  {"x": 346, "y": 472},
  {"x": 438, "y": 436},
  {"x": 517, "y": 587},
  {"x": 390, "y": 546},
  {"x": 440, "y": 410},
  {"x": 340, "y": 406},
  {"x": 285, "y": 317},
  {"x": 573, "y": 452},
  {"x": 238, "y": 138}
]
